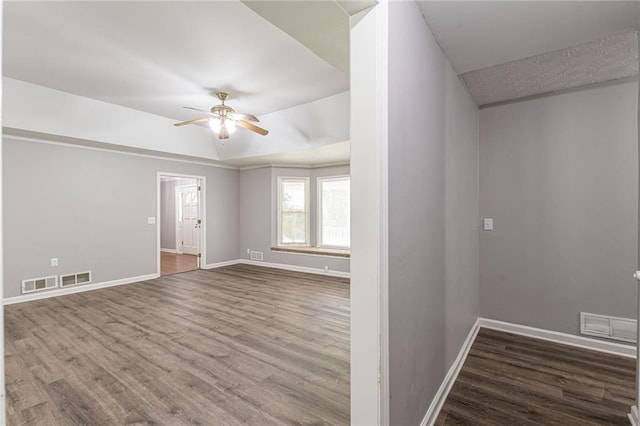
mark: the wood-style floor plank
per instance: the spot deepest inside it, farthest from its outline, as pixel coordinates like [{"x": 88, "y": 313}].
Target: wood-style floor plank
[
  {"x": 240, "y": 345},
  {"x": 174, "y": 263},
  {"x": 509, "y": 379}
]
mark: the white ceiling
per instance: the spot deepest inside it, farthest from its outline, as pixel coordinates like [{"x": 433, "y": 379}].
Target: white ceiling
[
  {"x": 296, "y": 18},
  {"x": 337, "y": 153},
  {"x": 159, "y": 56},
  {"x": 479, "y": 34}
]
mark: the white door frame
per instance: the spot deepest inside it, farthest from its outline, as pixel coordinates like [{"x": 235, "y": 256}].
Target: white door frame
[
  {"x": 2, "y": 387},
  {"x": 369, "y": 205},
  {"x": 202, "y": 206}
]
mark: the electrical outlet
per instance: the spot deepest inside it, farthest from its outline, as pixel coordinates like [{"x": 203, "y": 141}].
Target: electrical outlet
[
  {"x": 54, "y": 261},
  {"x": 248, "y": 251},
  {"x": 488, "y": 224},
  {"x": 151, "y": 220},
  {"x": 326, "y": 269}
]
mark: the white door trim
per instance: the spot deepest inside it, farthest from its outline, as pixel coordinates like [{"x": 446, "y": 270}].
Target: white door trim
[
  {"x": 369, "y": 203},
  {"x": 2, "y": 387},
  {"x": 203, "y": 215}
]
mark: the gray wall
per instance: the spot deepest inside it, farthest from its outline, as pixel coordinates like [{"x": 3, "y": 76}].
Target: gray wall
[
  {"x": 258, "y": 199},
  {"x": 559, "y": 175},
  {"x": 89, "y": 209},
  {"x": 433, "y": 211}
]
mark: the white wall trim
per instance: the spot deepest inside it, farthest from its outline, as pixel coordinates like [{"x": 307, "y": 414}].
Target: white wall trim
[
  {"x": 76, "y": 289},
  {"x": 382, "y": 130},
  {"x": 2, "y": 368},
  {"x": 620, "y": 349},
  {"x": 441, "y": 396},
  {"x": 222, "y": 264},
  {"x": 294, "y": 268},
  {"x": 292, "y": 165},
  {"x": 166, "y": 250},
  {"x": 633, "y": 416},
  {"x": 284, "y": 266},
  {"x": 116, "y": 150},
  {"x": 222, "y": 164}
]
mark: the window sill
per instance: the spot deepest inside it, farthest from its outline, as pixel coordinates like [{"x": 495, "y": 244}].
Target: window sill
[{"x": 318, "y": 251}]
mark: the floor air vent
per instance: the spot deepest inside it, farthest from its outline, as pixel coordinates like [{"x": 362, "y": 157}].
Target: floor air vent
[
  {"x": 38, "y": 284},
  {"x": 77, "y": 278},
  {"x": 622, "y": 329}
]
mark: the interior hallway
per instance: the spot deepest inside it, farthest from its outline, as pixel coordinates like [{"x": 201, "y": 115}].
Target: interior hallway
[{"x": 173, "y": 263}]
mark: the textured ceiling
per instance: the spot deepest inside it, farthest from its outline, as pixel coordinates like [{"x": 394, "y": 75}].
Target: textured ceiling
[
  {"x": 605, "y": 59},
  {"x": 480, "y": 34}
]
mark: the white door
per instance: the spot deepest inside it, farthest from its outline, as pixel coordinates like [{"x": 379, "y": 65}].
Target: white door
[{"x": 188, "y": 219}]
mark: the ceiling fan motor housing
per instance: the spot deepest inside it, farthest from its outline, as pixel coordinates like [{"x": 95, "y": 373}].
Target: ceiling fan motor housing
[{"x": 222, "y": 110}]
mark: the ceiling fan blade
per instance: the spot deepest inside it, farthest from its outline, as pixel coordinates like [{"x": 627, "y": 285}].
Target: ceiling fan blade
[
  {"x": 194, "y": 121},
  {"x": 245, "y": 117},
  {"x": 253, "y": 128},
  {"x": 197, "y": 109},
  {"x": 224, "y": 133}
]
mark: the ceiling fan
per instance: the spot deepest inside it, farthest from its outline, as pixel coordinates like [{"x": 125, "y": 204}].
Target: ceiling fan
[{"x": 224, "y": 119}]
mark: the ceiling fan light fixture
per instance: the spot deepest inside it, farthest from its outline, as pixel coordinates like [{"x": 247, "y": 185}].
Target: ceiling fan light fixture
[
  {"x": 216, "y": 125},
  {"x": 231, "y": 125},
  {"x": 223, "y": 120}
]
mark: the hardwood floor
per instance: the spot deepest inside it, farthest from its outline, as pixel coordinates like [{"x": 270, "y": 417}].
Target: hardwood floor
[
  {"x": 230, "y": 346},
  {"x": 513, "y": 380},
  {"x": 173, "y": 263}
]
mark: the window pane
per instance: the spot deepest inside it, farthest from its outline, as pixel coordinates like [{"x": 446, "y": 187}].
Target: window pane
[
  {"x": 293, "y": 211},
  {"x": 336, "y": 212},
  {"x": 293, "y": 197},
  {"x": 294, "y": 226}
]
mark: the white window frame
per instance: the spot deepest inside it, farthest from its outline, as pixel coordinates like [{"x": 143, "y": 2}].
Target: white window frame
[
  {"x": 282, "y": 179},
  {"x": 319, "y": 212}
]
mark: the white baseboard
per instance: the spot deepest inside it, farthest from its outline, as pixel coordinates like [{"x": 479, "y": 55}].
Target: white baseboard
[
  {"x": 441, "y": 396},
  {"x": 633, "y": 416},
  {"x": 168, "y": 250},
  {"x": 75, "y": 289},
  {"x": 620, "y": 349},
  {"x": 221, "y": 264},
  {"x": 295, "y": 268}
]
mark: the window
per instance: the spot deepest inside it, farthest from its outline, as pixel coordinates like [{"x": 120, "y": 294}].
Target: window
[
  {"x": 334, "y": 224},
  {"x": 293, "y": 209}
]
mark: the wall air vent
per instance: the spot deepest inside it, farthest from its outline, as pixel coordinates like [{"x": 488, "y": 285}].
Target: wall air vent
[
  {"x": 77, "y": 278},
  {"x": 38, "y": 284},
  {"x": 613, "y": 328},
  {"x": 256, "y": 255}
]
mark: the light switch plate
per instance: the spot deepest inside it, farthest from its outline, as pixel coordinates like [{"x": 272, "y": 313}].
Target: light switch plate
[
  {"x": 488, "y": 224},
  {"x": 151, "y": 220}
]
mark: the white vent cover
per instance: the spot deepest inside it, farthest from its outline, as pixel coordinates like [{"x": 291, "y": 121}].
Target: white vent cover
[
  {"x": 623, "y": 329},
  {"x": 256, "y": 255},
  {"x": 77, "y": 278},
  {"x": 38, "y": 284}
]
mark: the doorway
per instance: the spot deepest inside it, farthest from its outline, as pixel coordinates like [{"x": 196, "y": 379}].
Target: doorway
[{"x": 180, "y": 227}]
